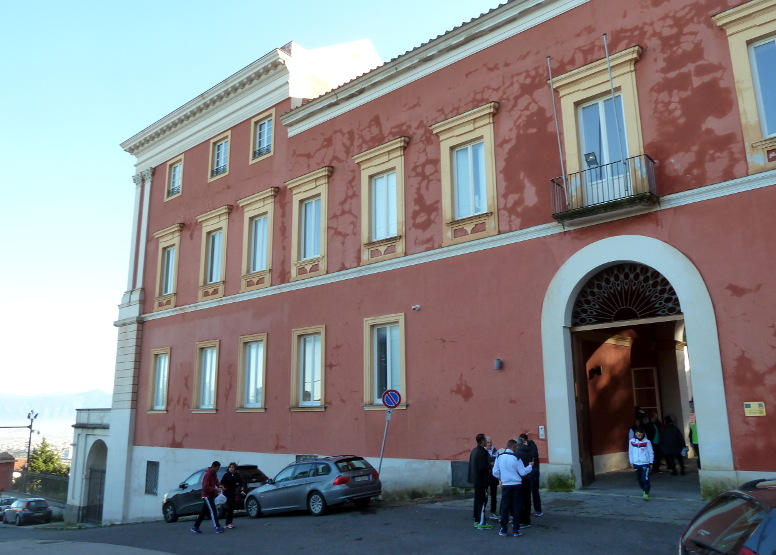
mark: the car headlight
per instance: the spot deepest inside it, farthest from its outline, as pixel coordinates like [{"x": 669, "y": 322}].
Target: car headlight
[{"x": 164, "y": 499}]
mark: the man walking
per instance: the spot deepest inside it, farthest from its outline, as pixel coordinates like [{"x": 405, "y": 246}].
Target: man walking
[
  {"x": 210, "y": 489},
  {"x": 510, "y": 470},
  {"x": 479, "y": 476}
]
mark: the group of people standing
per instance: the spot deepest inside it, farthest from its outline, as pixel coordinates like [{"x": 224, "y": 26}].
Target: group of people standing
[
  {"x": 649, "y": 443},
  {"x": 516, "y": 468}
]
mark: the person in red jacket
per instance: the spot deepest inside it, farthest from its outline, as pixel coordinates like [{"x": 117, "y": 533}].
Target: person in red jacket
[{"x": 211, "y": 487}]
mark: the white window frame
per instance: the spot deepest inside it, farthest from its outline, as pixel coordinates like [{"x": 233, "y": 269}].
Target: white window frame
[
  {"x": 259, "y": 205},
  {"x": 310, "y": 232},
  {"x": 206, "y": 377},
  {"x": 252, "y": 373},
  {"x": 372, "y": 397},
  {"x": 219, "y": 156},
  {"x": 768, "y": 127},
  {"x": 174, "y": 182},
  {"x": 303, "y": 366},
  {"x": 159, "y": 380}
]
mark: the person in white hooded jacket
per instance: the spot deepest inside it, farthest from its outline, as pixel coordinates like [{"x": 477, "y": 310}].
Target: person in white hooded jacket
[
  {"x": 641, "y": 456},
  {"x": 510, "y": 470}
]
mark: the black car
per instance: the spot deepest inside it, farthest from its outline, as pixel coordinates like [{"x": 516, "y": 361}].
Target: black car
[
  {"x": 186, "y": 499},
  {"x": 26, "y": 511},
  {"x": 738, "y": 522}
]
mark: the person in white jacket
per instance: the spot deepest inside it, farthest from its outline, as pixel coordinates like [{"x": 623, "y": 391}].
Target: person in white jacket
[
  {"x": 641, "y": 456},
  {"x": 510, "y": 470}
]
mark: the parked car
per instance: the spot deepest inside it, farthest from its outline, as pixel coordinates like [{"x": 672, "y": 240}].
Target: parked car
[
  {"x": 186, "y": 499},
  {"x": 740, "y": 521},
  {"x": 316, "y": 484},
  {"x": 6, "y": 502},
  {"x": 25, "y": 511}
]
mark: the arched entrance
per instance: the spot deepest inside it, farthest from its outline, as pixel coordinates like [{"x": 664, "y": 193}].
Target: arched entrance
[
  {"x": 95, "y": 483},
  {"x": 566, "y": 362}
]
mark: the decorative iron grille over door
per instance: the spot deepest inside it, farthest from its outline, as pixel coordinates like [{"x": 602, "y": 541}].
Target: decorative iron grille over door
[{"x": 625, "y": 292}]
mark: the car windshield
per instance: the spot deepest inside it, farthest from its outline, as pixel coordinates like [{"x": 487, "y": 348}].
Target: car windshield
[
  {"x": 39, "y": 504},
  {"x": 723, "y": 526}
]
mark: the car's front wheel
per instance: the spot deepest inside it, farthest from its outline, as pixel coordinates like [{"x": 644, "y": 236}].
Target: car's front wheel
[
  {"x": 316, "y": 504},
  {"x": 18, "y": 520},
  {"x": 169, "y": 513},
  {"x": 252, "y": 507}
]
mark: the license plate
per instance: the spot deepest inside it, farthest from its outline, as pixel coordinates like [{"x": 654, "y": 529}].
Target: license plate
[{"x": 361, "y": 478}]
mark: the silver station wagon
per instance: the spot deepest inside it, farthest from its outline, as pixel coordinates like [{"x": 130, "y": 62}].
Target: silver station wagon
[{"x": 316, "y": 484}]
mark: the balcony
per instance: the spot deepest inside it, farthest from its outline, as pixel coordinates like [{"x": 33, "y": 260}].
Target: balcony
[{"x": 621, "y": 187}]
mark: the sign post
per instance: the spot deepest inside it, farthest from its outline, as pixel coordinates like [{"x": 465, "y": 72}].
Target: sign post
[{"x": 391, "y": 400}]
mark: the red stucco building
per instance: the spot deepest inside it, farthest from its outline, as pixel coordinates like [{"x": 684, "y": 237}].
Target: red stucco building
[{"x": 536, "y": 222}]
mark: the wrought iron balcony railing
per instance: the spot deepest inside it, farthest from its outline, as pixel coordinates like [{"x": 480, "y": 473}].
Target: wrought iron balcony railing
[
  {"x": 261, "y": 151},
  {"x": 608, "y": 188},
  {"x": 173, "y": 190},
  {"x": 218, "y": 171}
]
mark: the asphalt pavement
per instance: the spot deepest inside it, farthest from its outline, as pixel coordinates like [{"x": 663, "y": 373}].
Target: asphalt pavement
[{"x": 613, "y": 497}]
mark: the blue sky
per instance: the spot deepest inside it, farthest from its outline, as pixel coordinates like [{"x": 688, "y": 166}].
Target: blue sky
[{"x": 79, "y": 78}]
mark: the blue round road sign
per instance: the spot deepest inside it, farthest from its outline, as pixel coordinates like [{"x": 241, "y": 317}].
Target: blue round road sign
[{"x": 391, "y": 398}]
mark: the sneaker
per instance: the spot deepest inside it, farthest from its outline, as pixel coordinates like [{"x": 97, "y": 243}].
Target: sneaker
[
  {"x": 517, "y": 534},
  {"x": 219, "y": 529},
  {"x": 502, "y": 533},
  {"x": 485, "y": 526},
  {"x": 230, "y": 526},
  {"x": 495, "y": 516},
  {"x": 646, "y": 496},
  {"x": 524, "y": 525},
  {"x": 539, "y": 514},
  {"x": 196, "y": 530}
]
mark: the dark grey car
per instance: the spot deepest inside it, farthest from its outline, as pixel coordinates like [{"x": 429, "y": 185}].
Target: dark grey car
[{"x": 316, "y": 484}]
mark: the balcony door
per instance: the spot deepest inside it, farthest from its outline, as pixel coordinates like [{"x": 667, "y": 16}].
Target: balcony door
[{"x": 605, "y": 176}]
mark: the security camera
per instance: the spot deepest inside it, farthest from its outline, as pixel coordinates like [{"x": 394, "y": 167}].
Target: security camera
[{"x": 416, "y": 307}]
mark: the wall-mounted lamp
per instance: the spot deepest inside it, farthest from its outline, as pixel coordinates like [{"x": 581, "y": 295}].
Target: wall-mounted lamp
[
  {"x": 416, "y": 307},
  {"x": 498, "y": 364},
  {"x": 591, "y": 160}
]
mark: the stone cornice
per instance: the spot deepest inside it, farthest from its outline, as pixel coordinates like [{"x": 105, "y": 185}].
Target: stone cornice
[
  {"x": 495, "y": 26},
  {"x": 248, "y": 77}
]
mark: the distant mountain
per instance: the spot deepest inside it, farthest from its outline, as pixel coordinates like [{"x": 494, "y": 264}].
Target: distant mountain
[{"x": 56, "y": 412}]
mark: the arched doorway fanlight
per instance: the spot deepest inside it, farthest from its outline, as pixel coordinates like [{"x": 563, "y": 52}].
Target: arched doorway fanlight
[{"x": 625, "y": 292}]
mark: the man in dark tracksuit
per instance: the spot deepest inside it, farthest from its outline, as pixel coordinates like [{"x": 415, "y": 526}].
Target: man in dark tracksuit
[
  {"x": 210, "y": 489},
  {"x": 479, "y": 476}
]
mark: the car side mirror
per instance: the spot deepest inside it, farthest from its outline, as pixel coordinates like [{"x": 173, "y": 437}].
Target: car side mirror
[
  {"x": 270, "y": 481},
  {"x": 182, "y": 485}
]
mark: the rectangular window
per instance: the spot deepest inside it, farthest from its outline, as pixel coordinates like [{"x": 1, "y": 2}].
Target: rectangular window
[
  {"x": 387, "y": 356},
  {"x": 308, "y": 235},
  {"x": 167, "y": 285},
  {"x": 213, "y": 262},
  {"x": 160, "y": 377},
  {"x": 310, "y": 369},
  {"x": 263, "y": 139},
  {"x": 167, "y": 266},
  {"x": 213, "y": 254},
  {"x": 152, "y": 477},
  {"x": 174, "y": 178},
  {"x": 602, "y": 127},
  {"x": 383, "y": 357},
  {"x": 310, "y": 246},
  {"x": 253, "y": 368},
  {"x": 207, "y": 373},
  {"x": 262, "y": 136},
  {"x": 468, "y": 171},
  {"x": 763, "y": 57},
  {"x": 258, "y": 244},
  {"x": 469, "y": 180},
  {"x": 384, "y": 213},
  {"x": 219, "y": 156},
  {"x": 308, "y": 377}
]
